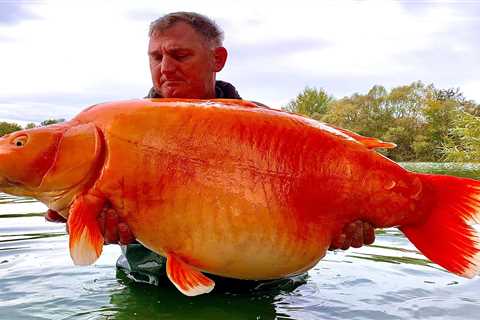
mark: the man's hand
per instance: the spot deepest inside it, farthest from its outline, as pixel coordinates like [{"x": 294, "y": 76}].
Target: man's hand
[
  {"x": 54, "y": 216},
  {"x": 355, "y": 234},
  {"x": 114, "y": 230}
]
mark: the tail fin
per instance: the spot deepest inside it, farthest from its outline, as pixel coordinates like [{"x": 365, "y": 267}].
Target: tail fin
[{"x": 446, "y": 235}]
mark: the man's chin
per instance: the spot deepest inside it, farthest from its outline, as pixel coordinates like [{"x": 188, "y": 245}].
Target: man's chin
[
  {"x": 181, "y": 91},
  {"x": 174, "y": 92}
]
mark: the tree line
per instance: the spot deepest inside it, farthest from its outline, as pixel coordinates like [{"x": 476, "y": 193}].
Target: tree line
[
  {"x": 9, "y": 127},
  {"x": 426, "y": 123}
]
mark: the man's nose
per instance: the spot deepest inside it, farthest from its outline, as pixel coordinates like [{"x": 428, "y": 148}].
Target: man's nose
[{"x": 168, "y": 65}]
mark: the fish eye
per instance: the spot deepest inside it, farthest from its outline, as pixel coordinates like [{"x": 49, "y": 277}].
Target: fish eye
[{"x": 20, "y": 141}]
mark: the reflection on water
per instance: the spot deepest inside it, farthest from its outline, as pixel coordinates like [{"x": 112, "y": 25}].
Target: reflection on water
[
  {"x": 140, "y": 301},
  {"x": 388, "y": 280}
]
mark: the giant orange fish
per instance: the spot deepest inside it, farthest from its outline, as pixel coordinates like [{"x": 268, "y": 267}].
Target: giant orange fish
[{"x": 231, "y": 189}]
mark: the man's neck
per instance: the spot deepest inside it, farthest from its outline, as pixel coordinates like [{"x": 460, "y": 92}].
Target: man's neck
[{"x": 222, "y": 90}]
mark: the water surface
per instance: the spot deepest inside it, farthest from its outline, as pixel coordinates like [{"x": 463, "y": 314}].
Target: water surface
[{"x": 389, "y": 280}]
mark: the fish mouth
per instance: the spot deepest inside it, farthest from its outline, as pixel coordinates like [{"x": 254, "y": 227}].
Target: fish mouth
[
  {"x": 5, "y": 183},
  {"x": 7, "y": 186}
]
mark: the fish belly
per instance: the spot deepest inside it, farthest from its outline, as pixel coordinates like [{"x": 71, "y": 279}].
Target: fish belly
[{"x": 228, "y": 234}]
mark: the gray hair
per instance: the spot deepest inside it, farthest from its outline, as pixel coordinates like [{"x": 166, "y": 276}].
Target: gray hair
[{"x": 205, "y": 26}]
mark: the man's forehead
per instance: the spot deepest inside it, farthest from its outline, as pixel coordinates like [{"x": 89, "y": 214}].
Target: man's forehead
[
  {"x": 168, "y": 46},
  {"x": 180, "y": 35},
  {"x": 174, "y": 45}
]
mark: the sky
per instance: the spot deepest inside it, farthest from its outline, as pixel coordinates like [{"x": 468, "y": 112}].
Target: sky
[{"x": 58, "y": 57}]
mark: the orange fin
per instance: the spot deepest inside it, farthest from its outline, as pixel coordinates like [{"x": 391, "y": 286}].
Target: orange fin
[
  {"x": 188, "y": 280},
  {"x": 447, "y": 236},
  {"x": 370, "y": 143},
  {"x": 86, "y": 240}
]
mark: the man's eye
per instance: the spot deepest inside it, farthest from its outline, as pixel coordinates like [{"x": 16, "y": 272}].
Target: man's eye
[
  {"x": 181, "y": 56},
  {"x": 157, "y": 57}
]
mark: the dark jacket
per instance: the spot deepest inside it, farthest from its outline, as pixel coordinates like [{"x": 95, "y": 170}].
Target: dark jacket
[{"x": 223, "y": 90}]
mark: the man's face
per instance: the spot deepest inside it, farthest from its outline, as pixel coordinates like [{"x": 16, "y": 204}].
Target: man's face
[{"x": 183, "y": 64}]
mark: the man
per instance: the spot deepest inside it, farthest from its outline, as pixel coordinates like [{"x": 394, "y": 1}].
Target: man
[{"x": 185, "y": 53}]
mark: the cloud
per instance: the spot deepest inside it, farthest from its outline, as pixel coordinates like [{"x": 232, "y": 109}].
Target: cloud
[
  {"x": 80, "y": 53},
  {"x": 144, "y": 15},
  {"x": 4, "y": 38},
  {"x": 41, "y": 106},
  {"x": 373, "y": 43},
  {"x": 13, "y": 12},
  {"x": 471, "y": 91},
  {"x": 275, "y": 48}
]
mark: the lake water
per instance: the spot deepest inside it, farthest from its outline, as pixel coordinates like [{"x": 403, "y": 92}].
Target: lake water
[{"x": 388, "y": 280}]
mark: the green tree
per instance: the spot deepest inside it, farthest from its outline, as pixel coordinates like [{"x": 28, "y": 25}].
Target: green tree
[
  {"x": 311, "y": 102},
  {"x": 51, "y": 121},
  {"x": 445, "y": 110},
  {"x": 463, "y": 142},
  {"x": 419, "y": 118},
  {"x": 8, "y": 127},
  {"x": 30, "y": 125}
]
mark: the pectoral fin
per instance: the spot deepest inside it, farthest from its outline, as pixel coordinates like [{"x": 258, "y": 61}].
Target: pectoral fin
[
  {"x": 86, "y": 240},
  {"x": 186, "y": 278}
]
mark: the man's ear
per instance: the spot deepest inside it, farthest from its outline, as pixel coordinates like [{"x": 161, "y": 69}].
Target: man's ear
[{"x": 220, "y": 58}]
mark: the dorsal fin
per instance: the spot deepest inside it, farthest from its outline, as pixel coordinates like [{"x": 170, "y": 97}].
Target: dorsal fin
[{"x": 370, "y": 143}]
